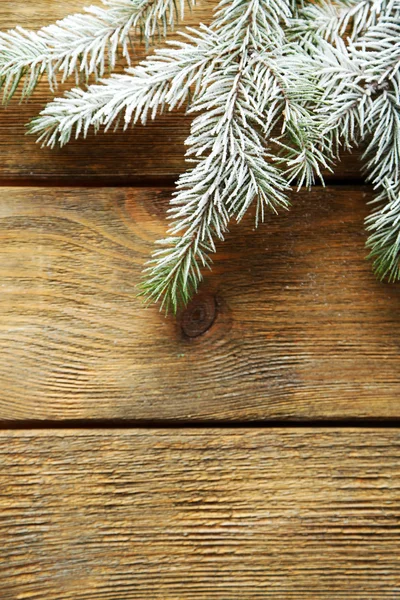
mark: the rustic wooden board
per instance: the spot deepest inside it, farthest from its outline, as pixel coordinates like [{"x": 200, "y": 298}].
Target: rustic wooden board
[
  {"x": 205, "y": 514},
  {"x": 152, "y": 152},
  {"x": 290, "y": 324}
]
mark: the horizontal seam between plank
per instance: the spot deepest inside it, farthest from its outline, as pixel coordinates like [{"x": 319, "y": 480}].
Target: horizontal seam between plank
[
  {"x": 353, "y": 423},
  {"x": 110, "y": 182}
]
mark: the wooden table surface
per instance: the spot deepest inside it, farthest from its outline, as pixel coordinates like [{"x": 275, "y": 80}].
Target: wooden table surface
[{"x": 248, "y": 448}]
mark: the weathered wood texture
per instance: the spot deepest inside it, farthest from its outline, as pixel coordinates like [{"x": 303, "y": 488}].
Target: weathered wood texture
[
  {"x": 152, "y": 152},
  {"x": 205, "y": 514},
  {"x": 290, "y": 324}
]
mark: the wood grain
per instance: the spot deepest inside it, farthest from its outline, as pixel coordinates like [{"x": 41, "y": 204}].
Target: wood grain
[
  {"x": 154, "y": 152},
  {"x": 290, "y": 324},
  {"x": 205, "y": 514}
]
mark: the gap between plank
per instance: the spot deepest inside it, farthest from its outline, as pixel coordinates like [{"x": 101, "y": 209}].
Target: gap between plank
[
  {"x": 116, "y": 182},
  {"x": 358, "y": 423}
]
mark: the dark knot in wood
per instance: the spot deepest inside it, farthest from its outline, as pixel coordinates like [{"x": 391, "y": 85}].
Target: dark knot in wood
[{"x": 199, "y": 315}]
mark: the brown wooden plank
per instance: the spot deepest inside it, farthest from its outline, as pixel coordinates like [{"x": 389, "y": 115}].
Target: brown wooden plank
[
  {"x": 290, "y": 324},
  {"x": 152, "y": 152},
  {"x": 205, "y": 514}
]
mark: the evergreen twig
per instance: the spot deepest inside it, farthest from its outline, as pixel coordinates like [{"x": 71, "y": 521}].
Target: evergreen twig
[{"x": 327, "y": 74}]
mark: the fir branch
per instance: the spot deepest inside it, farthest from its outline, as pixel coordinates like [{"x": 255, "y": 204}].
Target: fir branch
[
  {"x": 242, "y": 82},
  {"x": 336, "y": 86},
  {"x": 164, "y": 79},
  {"x": 218, "y": 187},
  {"x": 384, "y": 227},
  {"x": 258, "y": 20},
  {"x": 306, "y": 149},
  {"x": 362, "y": 96},
  {"x": 379, "y": 47},
  {"x": 81, "y": 44},
  {"x": 174, "y": 274},
  {"x": 382, "y": 154},
  {"x": 346, "y": 100},
  {"x": 232, "y": 169},
  {"x": 332, "y": 21}
]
